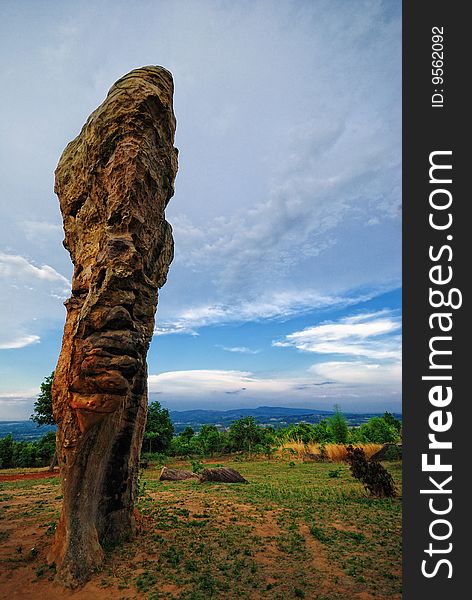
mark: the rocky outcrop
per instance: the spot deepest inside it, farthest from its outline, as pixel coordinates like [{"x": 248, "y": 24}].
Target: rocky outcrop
[
  {"x": 168, "y": 474},
  {"x": 113, "y": 182},
  {"x": 222, "y": 475}
]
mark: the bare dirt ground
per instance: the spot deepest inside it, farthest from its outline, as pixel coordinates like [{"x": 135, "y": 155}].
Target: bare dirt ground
[{"x": 34, "y": 475}]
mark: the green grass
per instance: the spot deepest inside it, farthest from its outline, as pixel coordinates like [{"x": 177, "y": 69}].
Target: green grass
[{"x": 295, "y": 531}]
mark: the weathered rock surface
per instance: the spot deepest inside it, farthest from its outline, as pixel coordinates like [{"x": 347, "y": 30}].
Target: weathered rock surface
[
  {"x": 176, "y": 474},
  {"x": 222, "y": 475},
  {"x": 113, "y": 182}
]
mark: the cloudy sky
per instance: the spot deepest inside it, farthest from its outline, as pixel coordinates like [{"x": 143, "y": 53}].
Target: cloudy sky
[{"x": 285, "y": 288}]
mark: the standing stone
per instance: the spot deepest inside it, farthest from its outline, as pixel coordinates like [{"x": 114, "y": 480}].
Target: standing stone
[{"x": 113, "y": 182}]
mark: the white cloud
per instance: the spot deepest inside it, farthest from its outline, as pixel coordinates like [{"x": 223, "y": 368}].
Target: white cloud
[
  {"x": 365, "y": 335},
  {"x": 32, "y": 297},
  {"x": 20, "y": 342},
  {"x": 359, "y": 373},
  {"x": 17, "y": 405},
  {"x": 282, "y": 304},
  {"x": 289, "y": 125},
  {"x": 218, "y": 389},
  {"x": 18, "y": 268},
  {"x": 369, "y": 343},
  {"x": 239, "y": 349},
  {"x": 216, "y": 382}
]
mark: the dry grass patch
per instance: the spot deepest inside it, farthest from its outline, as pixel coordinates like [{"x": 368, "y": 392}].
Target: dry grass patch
[{"x": 334, "y": 452}]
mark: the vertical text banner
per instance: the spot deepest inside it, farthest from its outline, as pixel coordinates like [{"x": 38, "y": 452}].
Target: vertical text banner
[{"x": 436, "y": 248}]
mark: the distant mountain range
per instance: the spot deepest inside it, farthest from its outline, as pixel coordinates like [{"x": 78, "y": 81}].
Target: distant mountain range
[{"x": 275, "y": 416}]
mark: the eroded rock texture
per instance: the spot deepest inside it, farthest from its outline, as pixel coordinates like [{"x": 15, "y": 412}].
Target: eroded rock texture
[{"x": 113, "y": 182}]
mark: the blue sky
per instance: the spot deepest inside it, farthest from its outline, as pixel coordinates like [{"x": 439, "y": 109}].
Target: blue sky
[{"x": 285, "y": 288}]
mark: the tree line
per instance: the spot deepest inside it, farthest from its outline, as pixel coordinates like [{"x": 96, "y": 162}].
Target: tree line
[{"x": 246, "y": 435}]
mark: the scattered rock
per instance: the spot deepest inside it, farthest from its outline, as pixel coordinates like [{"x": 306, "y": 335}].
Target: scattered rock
[
  {"x": 176, "y": 474},
  {"x": 222, "y": 475}
]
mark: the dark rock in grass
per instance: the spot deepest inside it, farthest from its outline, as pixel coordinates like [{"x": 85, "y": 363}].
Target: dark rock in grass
[
  {"x": 388, "y": 452},
  {"x": 309, "y": 457},
  {"x": 176, "y": 475},
  {"x": 222, "y": 475}
]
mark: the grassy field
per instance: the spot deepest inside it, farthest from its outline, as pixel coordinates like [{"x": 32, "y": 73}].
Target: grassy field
[{"x": 297, "y": 530}]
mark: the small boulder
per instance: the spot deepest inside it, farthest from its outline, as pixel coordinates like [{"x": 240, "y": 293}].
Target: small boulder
[
  {"x": 176, "y": 475},
  {"x": 222, "y": 475}
]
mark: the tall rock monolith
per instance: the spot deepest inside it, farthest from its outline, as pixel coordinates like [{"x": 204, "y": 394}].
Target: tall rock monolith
[{"x": 113, "y": 181}]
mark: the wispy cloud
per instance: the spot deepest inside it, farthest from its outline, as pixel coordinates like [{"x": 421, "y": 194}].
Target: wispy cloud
[
  {"x": 238, "y": 349},
  {"x": 20, "y": 342},
  {"x": 214, "y": 387},
  {"x": 16, "y": 267},
  {"x": 365, "y": 335},
  {"x": 368, "y": 346},
  {"x": 279, "y": 305},
  {"x": 216, "y": 381},
  {"x": 32, "y": 296},
  {"x": 285, "y": 202},
  {"x": 355, "y": 373}
]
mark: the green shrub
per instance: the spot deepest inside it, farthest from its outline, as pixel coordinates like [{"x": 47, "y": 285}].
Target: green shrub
[{"x": 197, "y": 466}]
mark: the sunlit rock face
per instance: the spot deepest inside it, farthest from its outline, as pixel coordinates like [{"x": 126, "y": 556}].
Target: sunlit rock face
[{"x": 113, "y": 182}]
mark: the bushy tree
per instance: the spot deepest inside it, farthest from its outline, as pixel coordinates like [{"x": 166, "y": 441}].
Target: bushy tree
[
  {"x": 210, "y": 440},
  {"x": 6, "y": 452},
  {"x": 244, "y": 434},
  {"x": 159, "y": 428},
  {"x": 188, "y": 433},
  {"x": 268, "y": 442},
  {"x": 27, "y": 454},
  {"x": 42, "y": 414},
  {"x": 378, "y": 431},
  {"x": 24, "y": 454},
  {"x": 339, "y": 427},
  {"x": 322, "y": 433},
  {"x": 391, "y": 420},
  {"x": 303, "y": 432},
  {"x": 46, "y": 447}
]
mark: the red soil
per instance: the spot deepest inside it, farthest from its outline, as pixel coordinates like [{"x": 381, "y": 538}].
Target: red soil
[{"x": 37, "y": 475}]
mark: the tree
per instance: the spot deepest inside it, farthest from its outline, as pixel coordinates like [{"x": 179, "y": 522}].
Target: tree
[
  {"x": 244, "y": 434},
  {"x": 378, "y": 431},
  {"x": 339, "y": 427},
  {"x": 322, "y": 432},
  {"x": 6, "y": 452},
  {"x": 391, "y": 420},
  {"x": 42, "y": 414},
  {"x": 302, "y": 432},
  {"x": 159, "y": 428},
  {"x": 188, "y": 433},
  {"x": 210, "y": 439}
]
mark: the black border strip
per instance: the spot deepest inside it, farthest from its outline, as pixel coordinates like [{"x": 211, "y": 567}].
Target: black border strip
[{"x": 426, "y": 129}]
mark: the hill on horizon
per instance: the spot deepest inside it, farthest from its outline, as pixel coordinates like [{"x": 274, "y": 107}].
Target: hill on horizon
[{"x": 275, "y": 416}]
